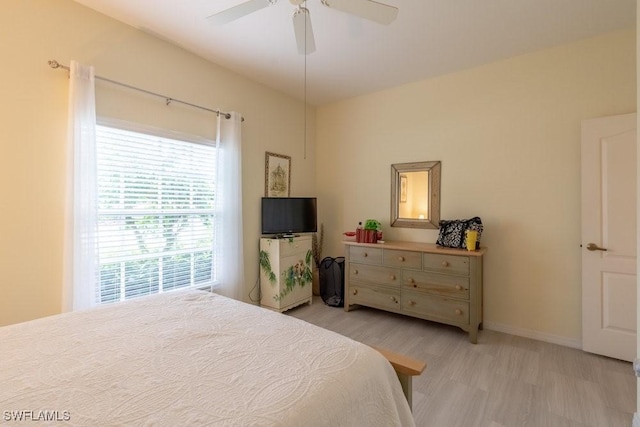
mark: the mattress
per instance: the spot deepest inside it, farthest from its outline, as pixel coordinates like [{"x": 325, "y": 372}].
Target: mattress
[{"x": 192, "y": 358}]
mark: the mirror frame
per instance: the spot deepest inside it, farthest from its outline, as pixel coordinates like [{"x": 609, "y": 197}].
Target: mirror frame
[{"x": 434, "y": 170}]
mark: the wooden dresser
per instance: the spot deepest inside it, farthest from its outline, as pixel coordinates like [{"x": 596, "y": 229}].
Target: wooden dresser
[{"x": 417, "y": 279}]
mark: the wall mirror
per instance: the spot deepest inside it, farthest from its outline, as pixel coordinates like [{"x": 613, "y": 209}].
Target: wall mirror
[{"x": 415, "y": 194}]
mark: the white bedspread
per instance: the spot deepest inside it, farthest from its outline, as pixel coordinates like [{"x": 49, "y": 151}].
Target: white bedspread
[{"x": 192, "y": 358}]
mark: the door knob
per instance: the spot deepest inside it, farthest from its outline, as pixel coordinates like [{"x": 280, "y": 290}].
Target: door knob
[{"x": 594, "y": 247}]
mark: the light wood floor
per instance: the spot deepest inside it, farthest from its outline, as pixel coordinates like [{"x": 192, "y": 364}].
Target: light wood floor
[{"x": 504, "y": 380}]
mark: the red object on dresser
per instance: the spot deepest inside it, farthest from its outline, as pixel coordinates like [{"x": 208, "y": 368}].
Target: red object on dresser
[{"x": 366, "y": 236}]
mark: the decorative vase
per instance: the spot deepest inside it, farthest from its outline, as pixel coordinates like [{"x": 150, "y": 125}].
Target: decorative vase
[{"x": 366, "y": 236}]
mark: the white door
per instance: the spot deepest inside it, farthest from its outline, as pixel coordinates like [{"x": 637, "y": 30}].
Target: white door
[{"x": 609, "y": 236}]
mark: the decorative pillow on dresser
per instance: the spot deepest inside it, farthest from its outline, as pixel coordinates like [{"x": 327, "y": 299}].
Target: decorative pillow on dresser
[{"x": 453, "y": 231}]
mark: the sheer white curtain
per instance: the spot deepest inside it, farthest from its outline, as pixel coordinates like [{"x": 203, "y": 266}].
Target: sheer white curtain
[
  {"x": 81, "y": 270},
  {"x": 229, "y": 253}
]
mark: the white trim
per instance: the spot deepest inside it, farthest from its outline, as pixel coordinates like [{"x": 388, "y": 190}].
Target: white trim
[
  {"x": 636, "y": 420},
  {"x": 536, "y": 335}
]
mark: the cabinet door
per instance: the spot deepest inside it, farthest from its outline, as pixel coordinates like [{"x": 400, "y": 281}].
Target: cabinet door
[{"x": 297, "y": 245}]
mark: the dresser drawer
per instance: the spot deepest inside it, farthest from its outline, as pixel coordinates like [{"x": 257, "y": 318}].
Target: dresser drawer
[
  {"x": 402, "y": 259},
  {"x": 450, "y": 264},
  {"x": 374, "y": 296},
  {"x": 435, "y": 307},
  {"x": 296, "y": 247},
  {"x": 375, "y": 274},
  {"x": 365, "y": 255},
  {"x": 439, "y": 284}
]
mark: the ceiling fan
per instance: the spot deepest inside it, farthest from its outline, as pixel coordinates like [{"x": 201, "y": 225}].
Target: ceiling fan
[{"x": 367, "y": 9}]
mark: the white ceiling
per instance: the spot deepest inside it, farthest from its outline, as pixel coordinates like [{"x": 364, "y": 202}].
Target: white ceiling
[{"x": 355, "y": 56}]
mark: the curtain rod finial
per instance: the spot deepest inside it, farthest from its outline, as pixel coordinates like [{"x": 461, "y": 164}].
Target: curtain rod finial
[{"x": 53, "y": 63}]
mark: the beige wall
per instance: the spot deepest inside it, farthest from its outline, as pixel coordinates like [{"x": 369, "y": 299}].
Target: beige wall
[
  {"x": 508, "y": 136},
  {"x": 515, "y": 122},
  {"x": 33, "y": 131}
]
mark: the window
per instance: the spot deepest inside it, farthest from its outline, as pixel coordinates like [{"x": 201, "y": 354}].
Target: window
[{"x": 155, "y": 212}]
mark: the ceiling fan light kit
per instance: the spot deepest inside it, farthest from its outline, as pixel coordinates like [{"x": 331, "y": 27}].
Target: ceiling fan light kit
[{"x": 367, "y": 9}]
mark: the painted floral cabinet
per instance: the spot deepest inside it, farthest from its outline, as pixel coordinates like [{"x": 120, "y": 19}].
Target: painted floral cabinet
[{"x": 285, "y": 272}]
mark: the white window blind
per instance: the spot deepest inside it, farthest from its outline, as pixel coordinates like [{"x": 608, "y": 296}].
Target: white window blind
[{"x": 155, "y": 213}]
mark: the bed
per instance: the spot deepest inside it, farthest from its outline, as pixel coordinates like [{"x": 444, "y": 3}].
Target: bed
[{"x": 192, "y": 358}]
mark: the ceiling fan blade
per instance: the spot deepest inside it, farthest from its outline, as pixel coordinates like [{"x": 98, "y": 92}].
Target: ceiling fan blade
[
  {"x": 303, "y": 31},
  {"x": 238, "y": 11},
  {"x": 367, "y": 9}
]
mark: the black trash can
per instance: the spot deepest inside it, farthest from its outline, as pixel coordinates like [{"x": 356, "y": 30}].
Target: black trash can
[{"x": 332, "y": 281}]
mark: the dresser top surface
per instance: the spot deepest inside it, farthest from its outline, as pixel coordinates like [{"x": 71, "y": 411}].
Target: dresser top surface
[{"x": 418, "y": 246}]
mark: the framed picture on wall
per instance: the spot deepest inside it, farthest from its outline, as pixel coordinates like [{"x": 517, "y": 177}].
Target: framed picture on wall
[
  {"x": 403, "y": 189},
  {"x": 277, "y": 175}
]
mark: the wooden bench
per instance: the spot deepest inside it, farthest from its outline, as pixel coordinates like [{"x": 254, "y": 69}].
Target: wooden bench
[{"x": 406, "y": 368}]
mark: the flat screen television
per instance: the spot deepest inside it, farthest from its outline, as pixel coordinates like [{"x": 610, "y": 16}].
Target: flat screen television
[{"x": 289, "y": 215}]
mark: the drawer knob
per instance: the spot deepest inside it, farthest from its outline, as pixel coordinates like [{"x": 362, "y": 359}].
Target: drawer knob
[
  {"x": 394, "y": 299},
  {"x": 355, "y": 271},
  {"x": 458, "y": 287},
  {"x": 458, "y": 311},
  {"x": 365, "y": 254},
  {"x": 401, "y": 258},
  {"x": 355, "y": 292},
  {"x": 445, "y": 263},
  {"x": 411, "y": 280},
  {"x": 392, "y": 277},
  {"x": 411, "y": 302}
]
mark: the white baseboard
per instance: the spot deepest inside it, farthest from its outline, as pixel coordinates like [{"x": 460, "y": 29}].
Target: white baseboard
[
  {"x": 636, "y": 420},
  {"x": 536, "y": 335}
]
